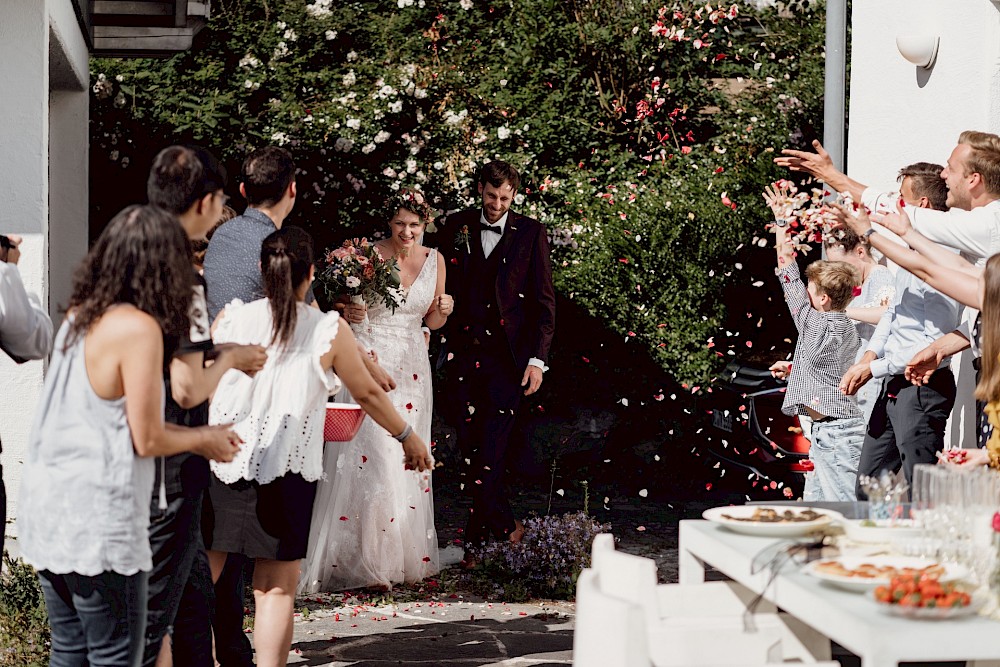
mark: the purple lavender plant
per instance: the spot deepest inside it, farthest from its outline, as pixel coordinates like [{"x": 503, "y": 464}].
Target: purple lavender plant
[{"x": 546, "y": 563}]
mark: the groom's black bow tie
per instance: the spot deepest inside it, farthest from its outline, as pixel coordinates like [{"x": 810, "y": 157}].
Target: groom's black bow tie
[{"x": 483, "y": 227}]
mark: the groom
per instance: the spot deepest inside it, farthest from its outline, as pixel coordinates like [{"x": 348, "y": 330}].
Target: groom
[{"x": 500, "y": 335}]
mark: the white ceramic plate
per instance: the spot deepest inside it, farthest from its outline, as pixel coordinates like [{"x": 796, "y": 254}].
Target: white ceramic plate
[
  {"x": 762, "y": 529},
  {"x": 935, "y": 613},
  {"x": 883, "y": 532},
  {"x": 861, "y": 585}
]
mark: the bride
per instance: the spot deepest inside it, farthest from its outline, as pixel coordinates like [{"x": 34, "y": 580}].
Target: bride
[{"x": 373, "y": 521}]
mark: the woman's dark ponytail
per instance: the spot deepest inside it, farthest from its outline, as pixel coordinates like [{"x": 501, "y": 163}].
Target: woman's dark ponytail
[{"x": 285, "y": 260}]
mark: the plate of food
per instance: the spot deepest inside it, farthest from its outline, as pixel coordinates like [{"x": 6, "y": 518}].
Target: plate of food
[
  {"x": 927, "y": 597},
  {"x": 880, "y": 532},
  {"x": 772, "y": 520},
  {"x": 864, "y": 573}
]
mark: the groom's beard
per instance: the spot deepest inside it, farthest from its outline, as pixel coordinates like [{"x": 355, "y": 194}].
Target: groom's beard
[{"x": 492, "y": 217}]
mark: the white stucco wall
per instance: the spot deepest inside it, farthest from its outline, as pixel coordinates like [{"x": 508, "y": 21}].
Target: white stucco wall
[
  {"x": 42, "y": 52},
  {"x": 900, "y": 114}
]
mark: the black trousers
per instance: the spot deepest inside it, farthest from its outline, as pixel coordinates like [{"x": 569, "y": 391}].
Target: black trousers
[
  {"x": 181, "y": 597},
  {"x": 907, "y": 425},
  {"x": 232, "y": 646},
  {"x": 492, "y": 393}
]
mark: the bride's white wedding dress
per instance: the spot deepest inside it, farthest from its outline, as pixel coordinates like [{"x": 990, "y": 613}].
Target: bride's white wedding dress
[{"x": 373, "y": 521}]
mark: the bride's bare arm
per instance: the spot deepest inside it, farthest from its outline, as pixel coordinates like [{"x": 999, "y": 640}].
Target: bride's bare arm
[{"x": 443, "y": 304}]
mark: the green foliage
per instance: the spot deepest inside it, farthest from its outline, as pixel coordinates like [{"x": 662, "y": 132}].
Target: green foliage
[
  {"x": 633, "y": 123},
  {"x": 24, "y": 628}
]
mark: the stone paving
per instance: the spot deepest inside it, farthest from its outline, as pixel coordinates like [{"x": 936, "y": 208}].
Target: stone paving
[{"x": 452, "y": 632}]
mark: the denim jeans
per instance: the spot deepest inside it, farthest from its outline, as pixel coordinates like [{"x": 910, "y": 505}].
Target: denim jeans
[
  {"x": 835, "y": 451},
  {"x": 96, "y": 621}
]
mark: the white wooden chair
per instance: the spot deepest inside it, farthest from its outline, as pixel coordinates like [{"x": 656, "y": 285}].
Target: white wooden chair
[{"x": 683, "y": 624}]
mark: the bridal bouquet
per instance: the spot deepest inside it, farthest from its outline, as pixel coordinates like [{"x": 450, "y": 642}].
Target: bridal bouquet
[{"x": 356, "y": 268}]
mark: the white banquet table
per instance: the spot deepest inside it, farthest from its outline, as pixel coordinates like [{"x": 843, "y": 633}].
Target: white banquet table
[{"x": 850, "y": 619}]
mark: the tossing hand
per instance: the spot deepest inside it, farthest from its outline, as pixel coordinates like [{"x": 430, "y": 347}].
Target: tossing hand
[
  {"x": 857, "y": 220},
  {"x": 415, "y": 454},
  {"x": 780, "y": 370},
  {"x": 899, "y": 222},
  {"x": 776, "y": 199},
  {"x": 818, "y": 164},
  {"x": 379, "y": 374},
  {"x": 532, "y": 379}
]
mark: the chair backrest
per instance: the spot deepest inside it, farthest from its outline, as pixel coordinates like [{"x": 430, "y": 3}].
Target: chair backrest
[
  {"x": 632, "y": 579},
  {"x": 603, "y": 543},
  {"x": 608, "y": 630}
]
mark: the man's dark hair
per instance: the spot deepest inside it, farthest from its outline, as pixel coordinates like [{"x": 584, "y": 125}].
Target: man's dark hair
[
  {"x": 181, "y": 175},
  {"x": 267, "y": 173},
  {"x": 498, "y": 172},
  {"x": 142, "y": 258},
  {"x": 927, "y": 182}
]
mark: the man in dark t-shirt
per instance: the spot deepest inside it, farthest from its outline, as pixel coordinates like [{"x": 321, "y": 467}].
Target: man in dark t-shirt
[{"x": 189, "y": 182}]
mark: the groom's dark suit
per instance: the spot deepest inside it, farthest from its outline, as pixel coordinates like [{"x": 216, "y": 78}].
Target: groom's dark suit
[{"x": 504, "y": 315}]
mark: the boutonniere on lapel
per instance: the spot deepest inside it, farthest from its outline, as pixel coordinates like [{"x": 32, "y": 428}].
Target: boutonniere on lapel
[{"x": 462, "y": 239}]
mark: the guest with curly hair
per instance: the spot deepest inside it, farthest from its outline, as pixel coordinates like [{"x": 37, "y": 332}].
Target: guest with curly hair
[{"x": 83, "y": 515}]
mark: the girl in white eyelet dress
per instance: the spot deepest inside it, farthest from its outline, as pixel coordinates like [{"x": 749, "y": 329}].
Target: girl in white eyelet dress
[{"x": 373, "y": 522}]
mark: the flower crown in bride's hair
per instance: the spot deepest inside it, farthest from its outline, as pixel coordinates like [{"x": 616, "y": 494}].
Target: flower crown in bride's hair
[{"x": 411, "y": 200}]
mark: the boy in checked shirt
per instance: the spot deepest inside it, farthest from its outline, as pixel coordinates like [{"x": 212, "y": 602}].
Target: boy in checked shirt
[{"x": 827, "y": 346}]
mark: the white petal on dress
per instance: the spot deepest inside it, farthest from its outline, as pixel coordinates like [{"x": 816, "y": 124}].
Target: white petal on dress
[{"x": 373, "y": 521}]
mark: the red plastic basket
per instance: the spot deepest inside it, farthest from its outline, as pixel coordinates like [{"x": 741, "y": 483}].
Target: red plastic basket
[{"x": 342, "y": 421}]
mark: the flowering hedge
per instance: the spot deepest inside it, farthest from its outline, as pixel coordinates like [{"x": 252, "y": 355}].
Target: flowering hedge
[{"x": 643, "y": 131}]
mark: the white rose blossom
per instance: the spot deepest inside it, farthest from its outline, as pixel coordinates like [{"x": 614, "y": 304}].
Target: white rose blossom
[
  {"x": 396, "y": 107},
  {"x": 382, "y": 136},
  {"x": 368, "y": 148},
  {"x": 352, "y": 56},
  {"x": 465, "y": 4},
  {"x": 503, "y": 132},
  {"x": 350, "y": 79},
  {"x": 354, "y": 123},
  {"x": 319, "y": 9},
  {"x": 331, "y": 35}
]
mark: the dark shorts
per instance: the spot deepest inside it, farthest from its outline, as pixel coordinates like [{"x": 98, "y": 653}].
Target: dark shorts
[{"x": 260, "y": 521}]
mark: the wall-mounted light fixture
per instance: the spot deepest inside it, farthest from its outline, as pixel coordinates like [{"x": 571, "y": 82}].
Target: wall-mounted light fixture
[{"x": 921, "y": 50}]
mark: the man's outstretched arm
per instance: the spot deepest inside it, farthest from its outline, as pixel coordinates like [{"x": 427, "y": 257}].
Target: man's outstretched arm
[{"x": 820, "y": 165}]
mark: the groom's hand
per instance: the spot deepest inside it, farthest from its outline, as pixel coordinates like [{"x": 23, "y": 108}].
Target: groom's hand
[{"x": 532, "y": 379}]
